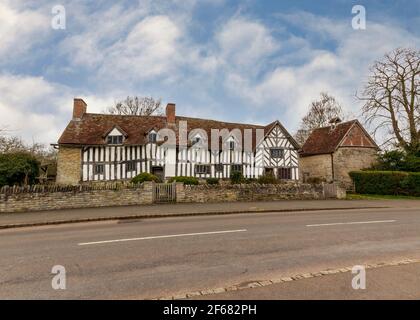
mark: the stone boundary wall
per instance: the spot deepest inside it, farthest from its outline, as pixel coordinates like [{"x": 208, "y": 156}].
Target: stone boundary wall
[
  {"x": 38, "y": 198},
  {"x": 251, "y": 192}
]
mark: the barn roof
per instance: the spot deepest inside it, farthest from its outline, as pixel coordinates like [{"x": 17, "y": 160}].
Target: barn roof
[{"x": 327, "y": 139}]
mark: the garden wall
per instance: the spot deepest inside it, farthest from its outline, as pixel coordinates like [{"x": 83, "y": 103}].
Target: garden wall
[
  {"x": 36, "y": 198},
  {"x": 250, "y": 192}
]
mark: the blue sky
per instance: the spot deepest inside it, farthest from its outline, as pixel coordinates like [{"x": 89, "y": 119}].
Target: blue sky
[{"x": 242, "y": 61}]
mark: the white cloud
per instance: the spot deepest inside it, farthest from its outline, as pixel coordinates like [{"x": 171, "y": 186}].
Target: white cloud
[
  {"x": 286, "y": 90},
  {"x": 20, "y": 30},
  {"x": 33, "y": 108},
  {"x": 150, "y": 49},
  {"x": 244, "y": 42},
  {"x": 126, "y": 49}
]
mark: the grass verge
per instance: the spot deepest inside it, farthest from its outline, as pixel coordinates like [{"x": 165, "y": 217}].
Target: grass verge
[{"x": 354, "y": 196}]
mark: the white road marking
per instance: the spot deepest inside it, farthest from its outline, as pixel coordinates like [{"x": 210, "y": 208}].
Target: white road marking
[
  {"x": 340, "y": 223},
  {"x": 161, "y": 237}
]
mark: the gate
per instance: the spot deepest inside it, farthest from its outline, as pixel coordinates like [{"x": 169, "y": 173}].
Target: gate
[
  {"x": 164, "y": 192},
  {"x": 330, "y": 190}
]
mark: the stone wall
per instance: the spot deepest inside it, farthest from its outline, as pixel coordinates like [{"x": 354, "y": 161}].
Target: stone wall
[
  {"x": 316, "y": 166},
  {"x": 69, "y": 163},
  {"x": 348, "y": 159},
  {"x": 38, "y": 198},
  {"x": 251, "y": 192},
  {"x": 345, "y": 159}
]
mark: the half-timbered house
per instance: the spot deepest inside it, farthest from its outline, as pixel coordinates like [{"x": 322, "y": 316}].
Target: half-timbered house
[{"x": 103, "y": 147}]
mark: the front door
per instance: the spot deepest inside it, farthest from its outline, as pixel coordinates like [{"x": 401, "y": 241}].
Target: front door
[{"x": 158, "y": 172}]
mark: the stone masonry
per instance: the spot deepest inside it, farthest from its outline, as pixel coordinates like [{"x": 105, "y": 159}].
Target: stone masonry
[
  {"x": 68, "y": 166},
  {"x": 38, "y": 198},
  {"x": 348, "y": 159}
]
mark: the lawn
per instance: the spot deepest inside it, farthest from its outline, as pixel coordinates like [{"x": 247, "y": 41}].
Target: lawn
[{"x": 353, "y": 196}]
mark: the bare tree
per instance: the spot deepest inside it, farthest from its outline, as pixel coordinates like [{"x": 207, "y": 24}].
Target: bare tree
[
  {"x": 11, "y": 144},
  {"x": 391, "y": 96},
  {"x": 320, "y": 113},
  {"x": 140, "y": 106}
]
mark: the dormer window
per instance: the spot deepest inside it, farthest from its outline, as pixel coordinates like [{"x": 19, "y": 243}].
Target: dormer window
[
  {"x": 115, "y": 139},
  {"x": 195, "y": 140},
  {"x": 115, "y": 136},
  {"x": 152, "y": 137},
  {"x": 231, "y": 143}
]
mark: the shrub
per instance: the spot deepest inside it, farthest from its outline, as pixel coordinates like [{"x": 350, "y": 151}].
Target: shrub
[
  {"x": 250, "y": 180},
  {"x": 267, "y": 179},
  {"x": 212, "y": 181},
  {"x": 386, "y": 182},
  {"x": 236, "y": 177},
  {"x": 315, "y": 180},
  {"x": 142, "y": 177},
  {"x": 18, "y": 168},
  {"x": 185, "y": 180}
]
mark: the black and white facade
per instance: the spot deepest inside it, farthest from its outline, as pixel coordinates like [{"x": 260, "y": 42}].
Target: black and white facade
[
  {"x": 276, "y": 154},
  {"x": 116, "y": 147}
]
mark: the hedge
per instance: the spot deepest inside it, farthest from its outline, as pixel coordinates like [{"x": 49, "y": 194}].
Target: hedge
[
  {"x": 212, "y": 181},
  {"x": 142, "y": 177},
  {"x": 386, "y": 182},
  {"x": 185, "y": 180}
]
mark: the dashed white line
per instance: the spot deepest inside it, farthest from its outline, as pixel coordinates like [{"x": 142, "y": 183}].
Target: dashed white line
[
  {"x": 341, "y": 223},
  {"x": 162, "y": 237}
]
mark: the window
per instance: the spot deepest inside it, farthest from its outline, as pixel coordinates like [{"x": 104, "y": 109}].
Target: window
[
  {"x": 231, "y": 145},
  {"x": 218, "y": 167},
  {"x": 98, "y": 169},
  {"x": 285, "y": 173},
  {"x": 195, "y": 140},
  {"x": 130, "y": 166},
  {"x": 115, "y": 139},
  {"x": 152, "y": 137},
  {"x": 276, "y": 153},
  {"x": 236, "y": 168},
  {"x": 202, "y": 169}
]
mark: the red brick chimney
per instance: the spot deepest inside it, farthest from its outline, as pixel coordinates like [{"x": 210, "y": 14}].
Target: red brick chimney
[
  {"x": 79, "y": 108},
  {"x": 170, "y": 113}
]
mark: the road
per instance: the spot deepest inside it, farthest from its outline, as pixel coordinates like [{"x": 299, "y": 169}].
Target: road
[{"x": 138, "y": 259}]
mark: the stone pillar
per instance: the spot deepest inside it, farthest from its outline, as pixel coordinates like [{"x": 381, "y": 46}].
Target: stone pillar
[
  {"x": 147, "y": 192},
  {"x": 180, "y": 191}
]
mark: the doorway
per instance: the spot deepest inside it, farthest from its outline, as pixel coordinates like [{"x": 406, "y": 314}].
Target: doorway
[{"x": 158, "y": 172}]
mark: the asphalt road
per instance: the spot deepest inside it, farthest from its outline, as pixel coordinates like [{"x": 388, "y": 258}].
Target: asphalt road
[{"x": 162, "y": 257}]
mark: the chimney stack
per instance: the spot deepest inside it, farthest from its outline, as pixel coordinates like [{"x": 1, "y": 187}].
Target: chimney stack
[
  {"x": 79, "y": 108},
  {"x": 170, "y": 113}
]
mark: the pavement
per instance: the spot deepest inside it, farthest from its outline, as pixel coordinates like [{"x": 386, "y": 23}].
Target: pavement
[
  {"x": 8, "y": 220},
  {"x": 179, "y": 256},
  {"x": 400, "y": 282}
]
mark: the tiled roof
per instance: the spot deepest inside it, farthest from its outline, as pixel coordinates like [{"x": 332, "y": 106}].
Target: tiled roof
[
  {"x": 326, "y": 140},
  {"x": 92, "y": 128}
]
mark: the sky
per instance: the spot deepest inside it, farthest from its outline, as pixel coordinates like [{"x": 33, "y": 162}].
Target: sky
[{"x": 240, "y": 61}]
